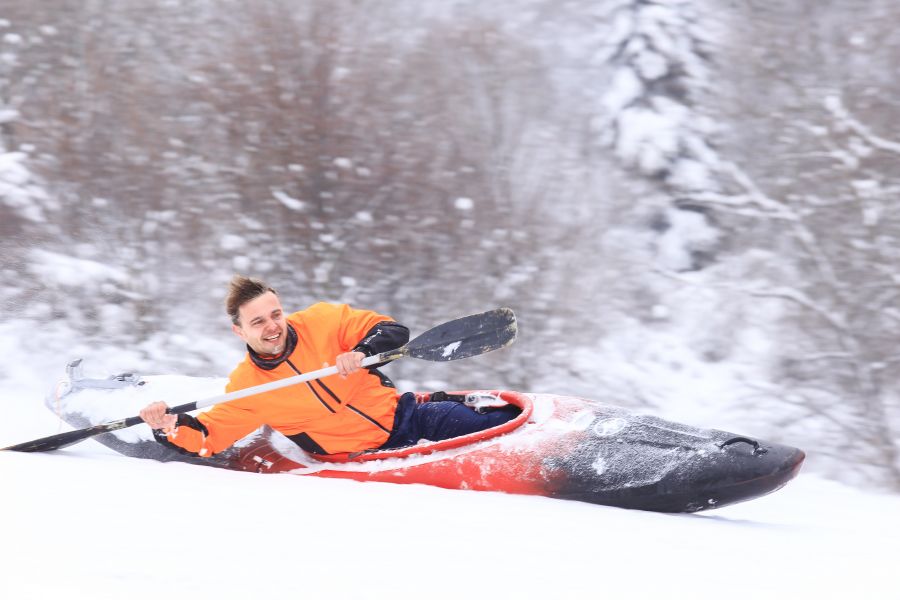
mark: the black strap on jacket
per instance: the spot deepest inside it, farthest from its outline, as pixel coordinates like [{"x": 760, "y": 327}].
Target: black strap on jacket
[{"x": 387, "y": 335}]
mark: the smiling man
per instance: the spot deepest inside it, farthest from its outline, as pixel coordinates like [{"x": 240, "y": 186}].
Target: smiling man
[{"x": 357, "y": 411}]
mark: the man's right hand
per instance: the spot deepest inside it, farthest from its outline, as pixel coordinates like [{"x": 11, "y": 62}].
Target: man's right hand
[{"x": 156, "y": 417}]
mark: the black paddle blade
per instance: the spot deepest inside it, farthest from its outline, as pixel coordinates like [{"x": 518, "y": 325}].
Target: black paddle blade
[
  {"x": 61, "y": 440},
  {"x": 466, "y": 336}
]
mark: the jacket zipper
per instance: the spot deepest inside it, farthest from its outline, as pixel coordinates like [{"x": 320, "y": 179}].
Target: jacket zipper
[
  {"x": 338, "y": 400},
  {"x": 368, "y": 418},
  {"x": 311, "y": 388},
  {"x": 353, "y": 408}
]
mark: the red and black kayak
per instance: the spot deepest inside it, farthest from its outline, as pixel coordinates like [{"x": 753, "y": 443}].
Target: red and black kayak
[{"x": 558, "y": 446}]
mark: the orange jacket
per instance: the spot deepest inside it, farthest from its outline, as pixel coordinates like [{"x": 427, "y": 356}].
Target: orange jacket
[{"x": 325, "y": 416}]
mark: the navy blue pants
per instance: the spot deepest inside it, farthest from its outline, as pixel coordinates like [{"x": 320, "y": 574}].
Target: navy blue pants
[{"x": 440, "y": 420}]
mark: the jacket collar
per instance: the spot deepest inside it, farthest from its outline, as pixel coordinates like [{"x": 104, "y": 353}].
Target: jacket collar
[{"x": 267, "y": 364}]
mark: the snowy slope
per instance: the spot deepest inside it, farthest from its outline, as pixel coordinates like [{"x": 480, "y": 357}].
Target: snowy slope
[{"x": 86, "y": 523}]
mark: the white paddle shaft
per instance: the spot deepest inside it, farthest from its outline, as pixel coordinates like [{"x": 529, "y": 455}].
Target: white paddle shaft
[{"x": 275, "y": 385}]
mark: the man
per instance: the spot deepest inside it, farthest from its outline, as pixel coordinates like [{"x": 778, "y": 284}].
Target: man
[{"x": 359, "y": 411}]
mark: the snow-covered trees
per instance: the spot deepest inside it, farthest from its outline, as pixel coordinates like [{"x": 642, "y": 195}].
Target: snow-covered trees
[
  {"x": 813, "y": 176},
  {"x": 753, "y": 117}
]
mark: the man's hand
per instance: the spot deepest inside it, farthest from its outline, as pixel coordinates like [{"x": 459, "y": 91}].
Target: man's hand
[
  {"x": 348, "y": 362},
  {"x": 156, "y": 417}
]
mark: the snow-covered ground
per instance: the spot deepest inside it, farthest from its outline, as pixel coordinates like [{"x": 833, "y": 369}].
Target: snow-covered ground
[{"x": 87, "y": 523}]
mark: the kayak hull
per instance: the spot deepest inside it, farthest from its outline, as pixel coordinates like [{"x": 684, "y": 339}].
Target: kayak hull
[{"x": 559, "y": 447}]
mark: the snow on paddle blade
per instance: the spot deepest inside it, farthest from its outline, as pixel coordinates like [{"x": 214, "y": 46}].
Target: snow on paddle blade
[{"x": 449, "y": 349}]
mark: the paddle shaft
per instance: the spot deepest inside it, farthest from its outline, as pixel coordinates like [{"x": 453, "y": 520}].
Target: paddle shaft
[
  {"x": 280, "y": 383},
  {"x": 460, "y": 338}
]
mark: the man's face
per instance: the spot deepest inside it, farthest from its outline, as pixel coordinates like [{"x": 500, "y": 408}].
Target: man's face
[{"x": 262, "y": 325}]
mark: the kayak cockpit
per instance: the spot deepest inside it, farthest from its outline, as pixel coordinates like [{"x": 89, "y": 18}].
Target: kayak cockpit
[{"x": 523, "y": 401}]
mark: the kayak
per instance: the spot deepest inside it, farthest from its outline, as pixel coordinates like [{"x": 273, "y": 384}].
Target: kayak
[{"x": 558, "y": 446}]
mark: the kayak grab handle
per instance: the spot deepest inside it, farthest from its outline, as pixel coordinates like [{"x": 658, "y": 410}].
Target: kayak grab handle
[{"x": 756, "y": 449}]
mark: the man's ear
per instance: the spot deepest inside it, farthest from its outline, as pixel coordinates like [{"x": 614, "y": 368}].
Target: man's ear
[{"x": 238, "y": 332}]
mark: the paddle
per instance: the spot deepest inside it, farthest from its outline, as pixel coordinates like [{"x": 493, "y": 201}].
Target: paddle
[{"x": 453, "y": 340}]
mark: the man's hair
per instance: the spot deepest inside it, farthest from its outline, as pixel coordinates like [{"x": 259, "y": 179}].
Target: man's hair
[{"x": 242, "y": 290}]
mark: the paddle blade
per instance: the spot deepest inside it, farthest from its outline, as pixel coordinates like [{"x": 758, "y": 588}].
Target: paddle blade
[
  {"x": 466, "y": 336},
  {"x": 62, "y": 440}
]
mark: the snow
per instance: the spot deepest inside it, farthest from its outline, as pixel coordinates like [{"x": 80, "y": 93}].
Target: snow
[
  {"x": 8, "y": 115},
  {"x": 121, "y": 527},
  {"x": 464, "y": 204},
  {"x": 232, "y": 242},
  {"x": 18, "y": 188},
  {"x": 687, "y": 232},
  {"x": 288, "y": 201},
  {"x": 70, "y": 271},
  {"x": 449, "y": 349},
  {"x": 88, "y": 523}
]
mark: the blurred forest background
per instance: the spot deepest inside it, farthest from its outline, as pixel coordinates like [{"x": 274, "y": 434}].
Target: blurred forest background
[{"x": 690, "y": 204}]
